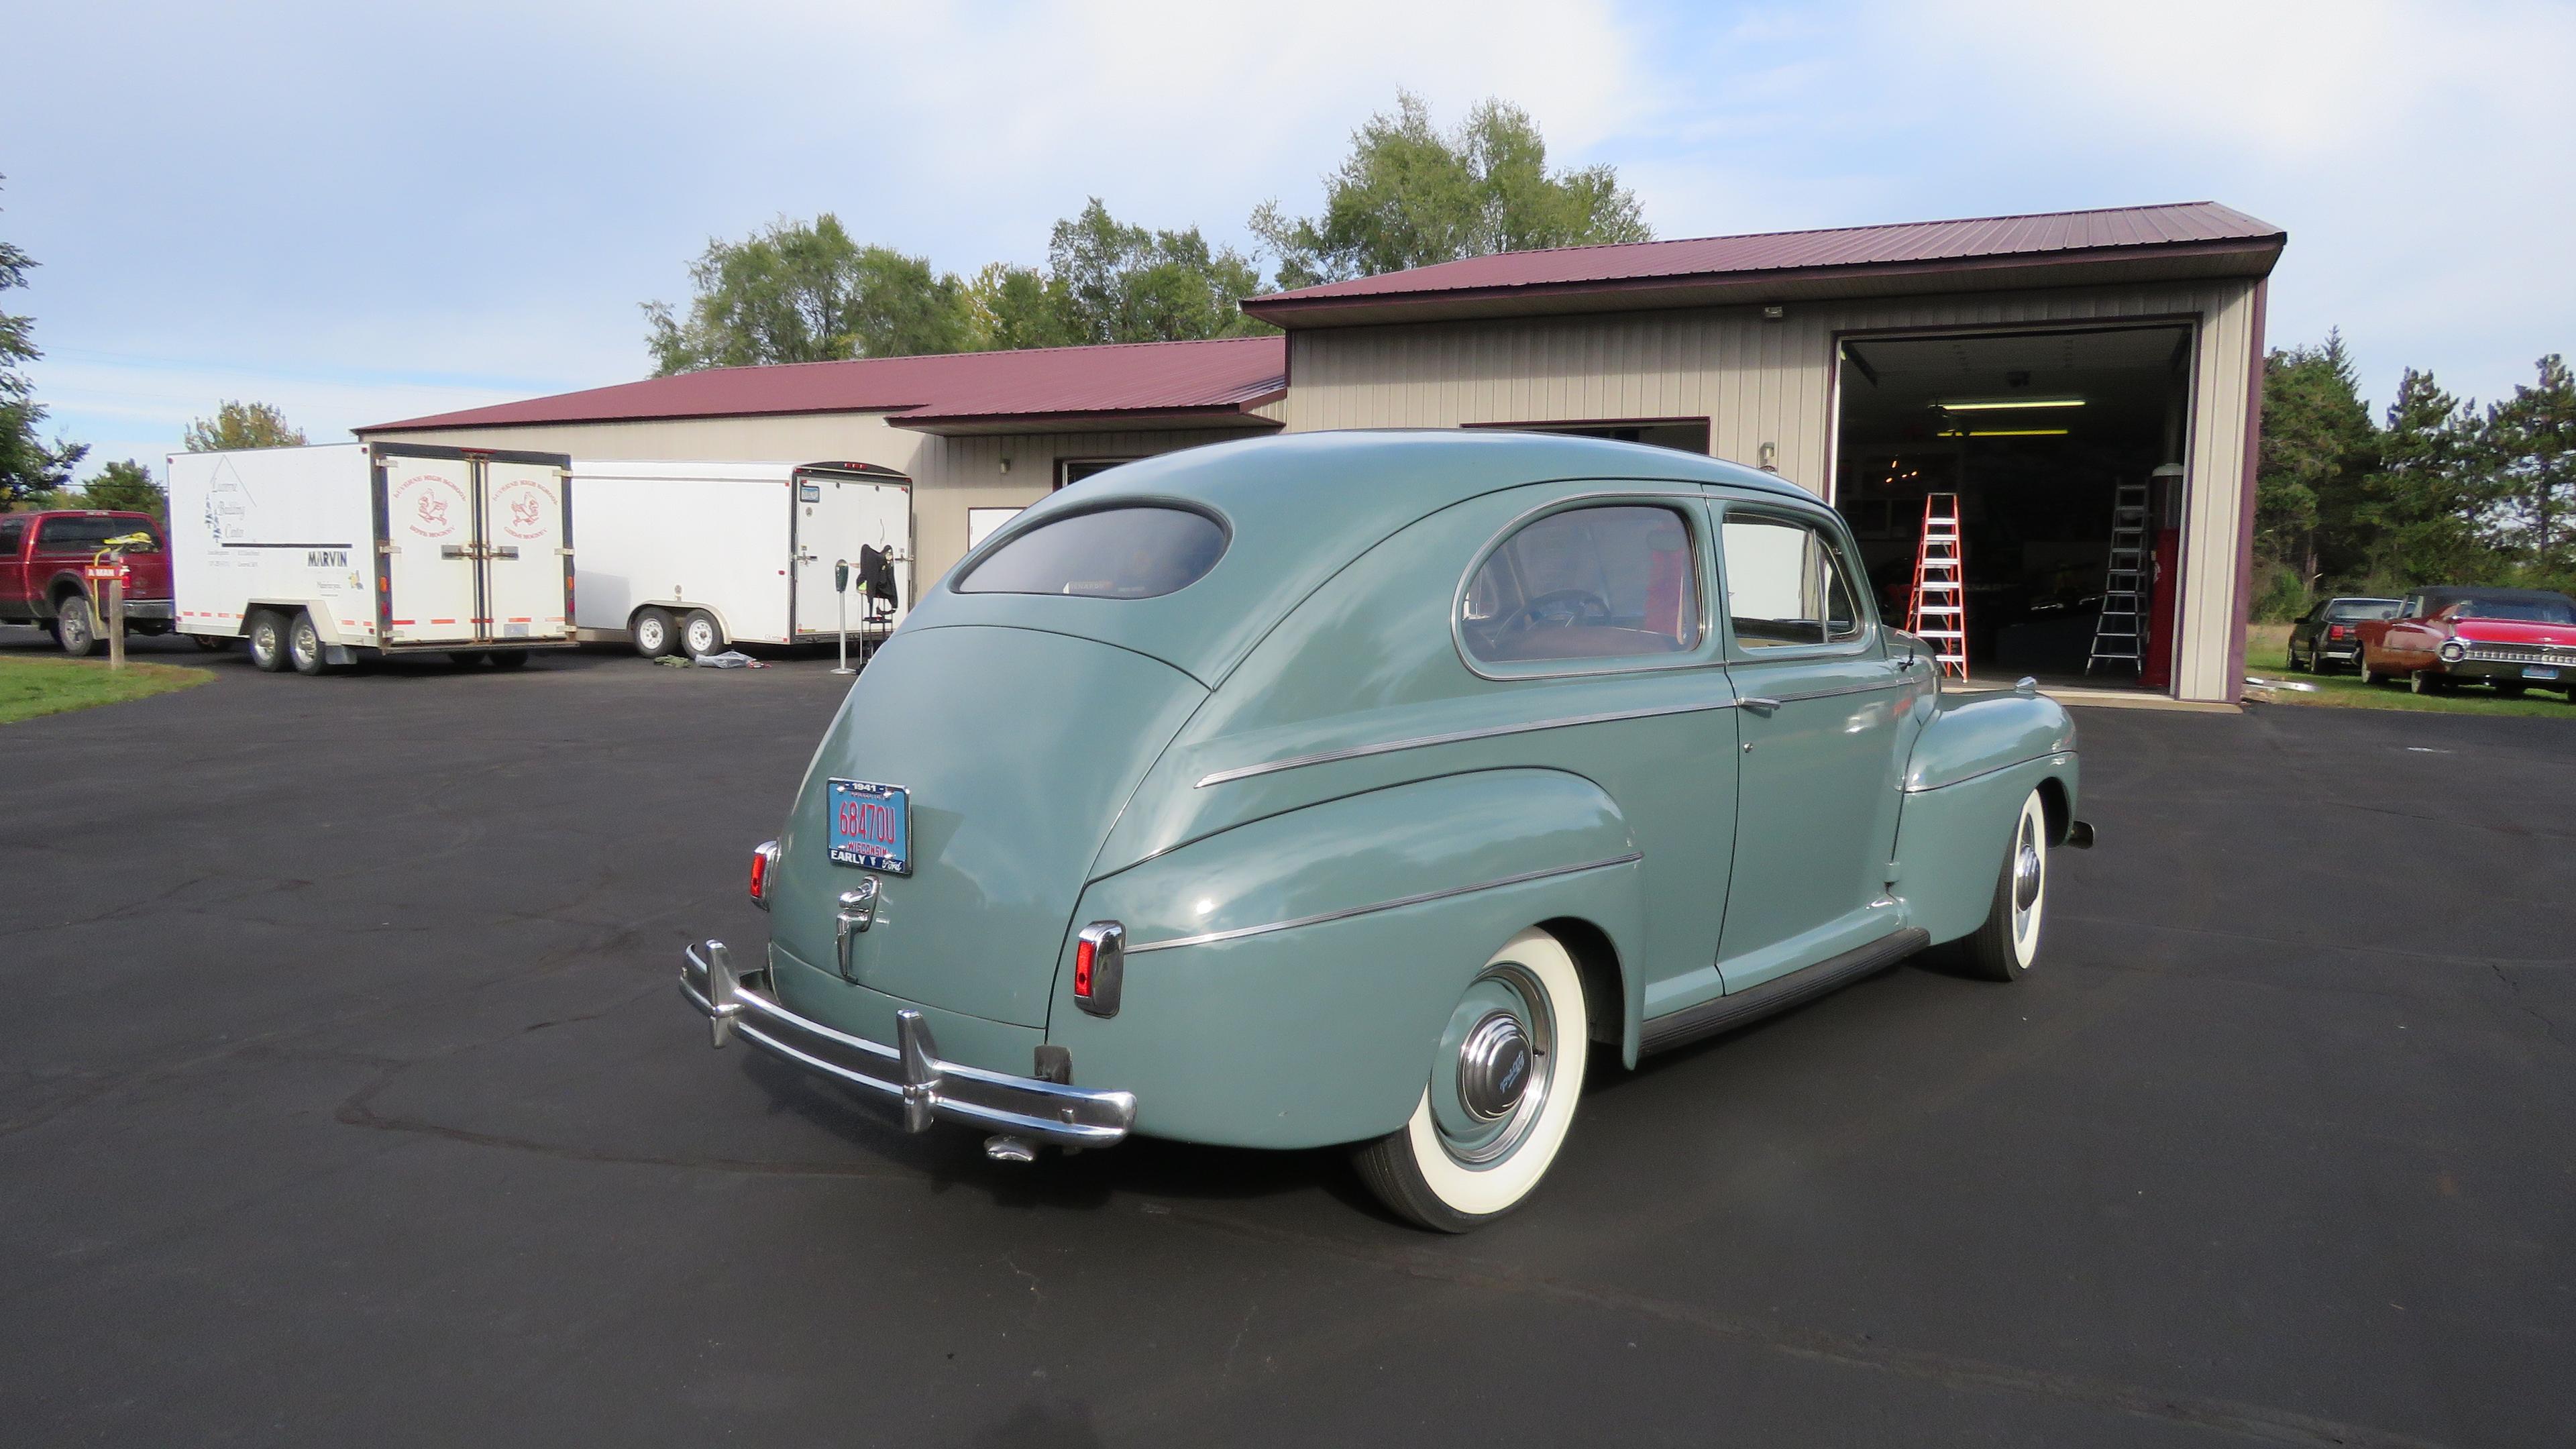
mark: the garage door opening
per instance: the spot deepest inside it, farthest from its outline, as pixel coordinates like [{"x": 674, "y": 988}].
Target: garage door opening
[{"x": 2061, "y": 447}]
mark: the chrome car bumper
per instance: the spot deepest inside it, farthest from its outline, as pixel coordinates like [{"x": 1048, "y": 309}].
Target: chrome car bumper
[
  {"x": 909, "y": 1074},
  {"x": 146, "y": 609}
]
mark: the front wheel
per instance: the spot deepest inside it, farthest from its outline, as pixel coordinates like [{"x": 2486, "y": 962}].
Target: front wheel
[
  {"x": 1504, "y": 1081},
  {"x": 2361, "y": 666},
  {"x": 653, "y": 632},
  {"x": 2007, "y": 945},
  {"x": 75, "y": 627},
  {"x": 509, "y": 658}
]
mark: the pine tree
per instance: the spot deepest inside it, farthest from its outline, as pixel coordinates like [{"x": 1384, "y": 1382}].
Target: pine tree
[
  {"x": 2419, "y": 515},
  {"x": 2529, "y": 441}
]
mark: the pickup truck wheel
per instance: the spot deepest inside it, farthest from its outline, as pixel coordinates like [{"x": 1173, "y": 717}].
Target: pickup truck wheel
[
  {"x": 2007, "y": 945},
  {"x": 700, "y": 635},
  {"x": 75, "y": 628},
  {"x": 654, "y": 632},
  {"x": 267, "y": 641},
  {"x": 1504, "y": 1081},
  {"x": 304, "y": 645}
]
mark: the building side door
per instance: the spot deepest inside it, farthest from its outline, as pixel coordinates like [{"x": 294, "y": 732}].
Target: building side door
[
  {"x": 1824, "y": 709},
  {"x": 527, "y": 513},
  {"x": 427, "y": 506}
]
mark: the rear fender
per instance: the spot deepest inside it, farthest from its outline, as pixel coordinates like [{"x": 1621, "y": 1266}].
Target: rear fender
[{"x": 1287, "y": 981}]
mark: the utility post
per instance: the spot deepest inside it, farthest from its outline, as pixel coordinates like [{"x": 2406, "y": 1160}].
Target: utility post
[{"x": 841, "y": 595}]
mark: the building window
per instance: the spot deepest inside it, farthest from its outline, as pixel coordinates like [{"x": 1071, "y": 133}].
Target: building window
[{"x": 1069, "y": 471}]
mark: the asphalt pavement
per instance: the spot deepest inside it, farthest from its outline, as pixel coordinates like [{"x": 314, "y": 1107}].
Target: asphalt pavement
[{"x": 346, "y": 1098}]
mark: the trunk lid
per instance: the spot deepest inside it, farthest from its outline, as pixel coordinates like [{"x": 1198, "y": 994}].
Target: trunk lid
[{"x": 1018, "y": 749}]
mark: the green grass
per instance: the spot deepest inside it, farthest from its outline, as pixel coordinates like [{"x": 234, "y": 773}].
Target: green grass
[
  {"x": 2267, "y": 655},
  {"x": 30, "y": 687}
]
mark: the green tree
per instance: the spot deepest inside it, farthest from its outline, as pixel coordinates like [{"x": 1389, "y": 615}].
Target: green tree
[
  {"x": 2420, "y": 510},
  {"x": 807, "y": 292},
  {"x": 2317, "y": 445},
  {"x": 1112, "y": 282},
  {"x": 127, "y": 485},
  {"x": 243, "y": 425},
  {"x": 1018, "y": 307},
  {"x": 1409, "y": 195},
  {"x": 29, "y": 466},
  {"x": 2529, "y": 444}
]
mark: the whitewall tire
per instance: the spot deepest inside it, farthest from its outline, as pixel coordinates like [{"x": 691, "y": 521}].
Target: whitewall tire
[
  {"x": 1506, "y": 1076},
  {"x": 2007, "y": 945}
]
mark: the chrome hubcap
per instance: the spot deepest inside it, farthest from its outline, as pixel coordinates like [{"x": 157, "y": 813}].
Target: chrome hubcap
[
  {"x": 1493, "y": 1067},
  {"x": 2026, "y": 875}
]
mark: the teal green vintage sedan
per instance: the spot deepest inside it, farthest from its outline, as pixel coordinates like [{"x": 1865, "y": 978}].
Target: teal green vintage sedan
[{"x": 1360, "y": 788}]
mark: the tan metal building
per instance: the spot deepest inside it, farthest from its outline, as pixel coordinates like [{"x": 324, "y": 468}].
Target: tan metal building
[{"x": 2032, "y": 367}]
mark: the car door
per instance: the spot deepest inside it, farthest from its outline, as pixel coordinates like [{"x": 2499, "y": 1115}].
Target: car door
[
  {"x": 1826, "y": 714},
  {"x": 13, "y": 566}
]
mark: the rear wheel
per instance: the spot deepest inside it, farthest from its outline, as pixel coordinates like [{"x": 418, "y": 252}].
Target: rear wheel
[
  {"x": 654, "y": 633},
  {"x": 1504, "y": 1081},
  {"x": 467, "y": 658},
  {"x": 75, "y": 627},
  {"x": 2425, "y": 681},
  {"x": 509, "y": 658},
  {"x": 213, "y": 643},
  {"x": 267, "y": 641},
  {"x": 304, "y": 645},
  {"x": 700, "y": 636},
  {"x": 2007, "y": 945},
  {"x": 2361, "y": 666},
  {"x": 2295, "y": 666},
  {"x": 2511, "y": 688}
]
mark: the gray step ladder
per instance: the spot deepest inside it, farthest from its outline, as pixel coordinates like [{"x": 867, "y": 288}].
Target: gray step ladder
[{"x": 2120, "y": 636}]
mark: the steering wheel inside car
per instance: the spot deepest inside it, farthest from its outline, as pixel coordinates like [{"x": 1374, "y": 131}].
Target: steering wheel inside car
[{"x": 1560, "y": 609}]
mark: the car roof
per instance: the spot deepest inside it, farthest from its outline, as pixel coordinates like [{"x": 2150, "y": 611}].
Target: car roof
[{"x": 1301, "y": 507}]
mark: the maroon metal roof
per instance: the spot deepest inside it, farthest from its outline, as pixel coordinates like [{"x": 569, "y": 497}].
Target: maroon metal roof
[
  {"x": 2198, "y": 226},
  {"x": 962, "y": 391}
]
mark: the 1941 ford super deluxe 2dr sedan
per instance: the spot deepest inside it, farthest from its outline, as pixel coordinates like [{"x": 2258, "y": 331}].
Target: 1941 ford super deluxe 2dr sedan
[{"x": 1359, "y": 787}]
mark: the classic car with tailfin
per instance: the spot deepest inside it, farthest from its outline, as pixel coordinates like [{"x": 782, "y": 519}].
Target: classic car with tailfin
[
  {"x": 2512, "y": 640},
  {"x": 1360, "y": 788}
]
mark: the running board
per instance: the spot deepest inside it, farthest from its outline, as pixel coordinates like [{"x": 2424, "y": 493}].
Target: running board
[{"x": 1725, "y": 1013}]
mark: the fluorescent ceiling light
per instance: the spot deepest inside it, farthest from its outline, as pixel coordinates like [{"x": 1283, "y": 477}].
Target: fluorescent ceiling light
[
  {"x": 2002, "y": 404},
  {"x": 2002, "y": 433}
]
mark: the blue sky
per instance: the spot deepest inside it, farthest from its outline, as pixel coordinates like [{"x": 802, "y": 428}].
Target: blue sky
[{"x": 361, "y": 213}]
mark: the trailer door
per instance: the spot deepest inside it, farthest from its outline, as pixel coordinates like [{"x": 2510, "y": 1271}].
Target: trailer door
[
  {"x": 427, "y": 546},
  {"x": 527, "y": 523},
  {"x": 837, "y": 514}
]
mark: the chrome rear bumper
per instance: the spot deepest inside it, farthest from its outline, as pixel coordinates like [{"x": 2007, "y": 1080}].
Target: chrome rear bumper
[{"x": 909, "y": 1074}]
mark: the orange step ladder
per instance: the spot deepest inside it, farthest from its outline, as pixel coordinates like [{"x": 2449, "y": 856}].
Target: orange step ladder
[{"x": 1939, "y": 608}]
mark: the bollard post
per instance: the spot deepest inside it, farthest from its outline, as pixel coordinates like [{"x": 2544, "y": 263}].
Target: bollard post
[
  {"x": 116, "y": 617},
  {"x": 841, "y": 596}
]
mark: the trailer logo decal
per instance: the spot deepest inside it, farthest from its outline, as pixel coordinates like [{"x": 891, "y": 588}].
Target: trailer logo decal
[
  {"x": 423, "y": 501},
  {"x": 523, "y": 510},
  {"x": 326, "y": 558}
]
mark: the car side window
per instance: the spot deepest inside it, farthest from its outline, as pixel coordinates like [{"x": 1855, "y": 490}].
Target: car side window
[
  {"x": 1613, "y": 581},
  {"x": 2413, "y": 608},
  {"x": 1787, "y": 584},
  {"x": 12, "y": 533}
]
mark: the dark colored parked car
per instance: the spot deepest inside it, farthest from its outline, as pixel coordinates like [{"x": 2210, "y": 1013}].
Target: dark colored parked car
[
  {"x": 2512, "y": 639},
  {"x": 2330, "y": 636},
  {"x": 41, "y": 555}
]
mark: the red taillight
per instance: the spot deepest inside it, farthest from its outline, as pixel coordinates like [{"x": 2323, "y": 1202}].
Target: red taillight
[
  {"x": 763, "y": 856},
  {"x": 1099, "y": 967},
  {"x": 2338, "y": 631}
]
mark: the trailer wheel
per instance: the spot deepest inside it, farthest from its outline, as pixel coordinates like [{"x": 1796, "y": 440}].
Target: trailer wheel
[
  {"x": 213, "y": 643},
  {"x": 466, "y": 658},
  {"x": 509, "y": 658},
  {"x": 654, "y": 632},
  {"x": 267, "y": 634},
  {"x": 304, "y": 645},
  {"x": 700, "y": 635}
]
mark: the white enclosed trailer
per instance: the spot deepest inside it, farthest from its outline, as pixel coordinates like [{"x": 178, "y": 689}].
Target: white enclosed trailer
[
  {"x": 330, "y": 555},
  {"x": 694, "y": 556}
]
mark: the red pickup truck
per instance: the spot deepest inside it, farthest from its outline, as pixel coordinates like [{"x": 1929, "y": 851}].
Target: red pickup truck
[{"x": 41, "y": 557}]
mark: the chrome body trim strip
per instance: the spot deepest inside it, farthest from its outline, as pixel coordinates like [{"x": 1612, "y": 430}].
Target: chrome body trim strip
[
  {"x": 909, "y": 1076},
  {"x": 1387, "y": 747},
  {"x": 1413, "y": 900}
]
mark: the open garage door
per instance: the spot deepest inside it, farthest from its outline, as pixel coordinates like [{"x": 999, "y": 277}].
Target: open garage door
[{"x": 2045, "y": 438}]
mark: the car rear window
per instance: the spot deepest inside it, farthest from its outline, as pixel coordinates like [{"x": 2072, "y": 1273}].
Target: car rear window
[
  {"x": 1137, "y": 552},
  {"x": 2363, "y": 609},
  {"x": 2529, "y": 611},
  {"x": 63, "y": 534}
]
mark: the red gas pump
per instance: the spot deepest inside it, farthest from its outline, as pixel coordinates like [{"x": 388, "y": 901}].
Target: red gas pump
[{"x": 2164, "y": 506}]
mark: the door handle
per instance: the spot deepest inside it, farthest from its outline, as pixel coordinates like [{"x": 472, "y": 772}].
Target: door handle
[
  {"x": 1758, "y": 704},
  {"x": 1908, "y": 660}
]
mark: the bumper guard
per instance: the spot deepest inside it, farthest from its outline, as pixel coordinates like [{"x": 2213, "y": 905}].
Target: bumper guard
[{"x": 909, "y": 1074}]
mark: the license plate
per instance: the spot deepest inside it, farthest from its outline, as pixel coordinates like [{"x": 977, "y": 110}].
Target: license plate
[
  {"x": 2538, "y": 671},
  {"x": 872, "y": 826}
]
